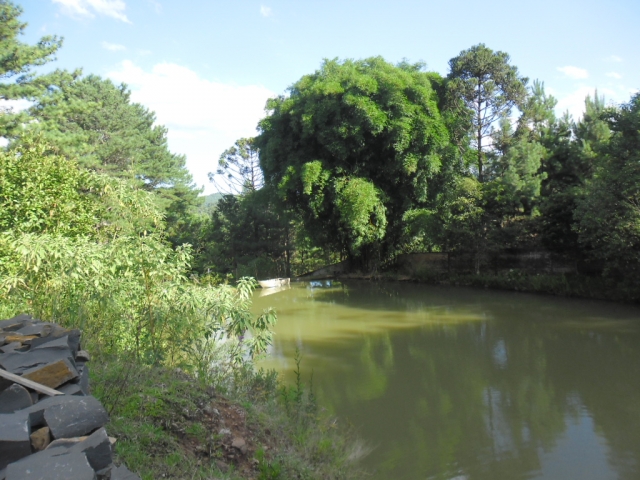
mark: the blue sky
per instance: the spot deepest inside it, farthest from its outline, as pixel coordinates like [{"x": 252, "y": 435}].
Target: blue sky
[{"x": 206, "y": 67}]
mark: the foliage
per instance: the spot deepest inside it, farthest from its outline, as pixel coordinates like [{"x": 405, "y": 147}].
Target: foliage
[
  {"x": 608, "y": 213},
  {"x": 482, "y": 85},
  {"x": 354, "y": 127},
  {"x": 17, "y": 60},
  {"x": 247, "y": 235},
  {"x": 64, "y": 259},
  {"x": 94, "y": 122},
  {"x": 164, "y": 425}
]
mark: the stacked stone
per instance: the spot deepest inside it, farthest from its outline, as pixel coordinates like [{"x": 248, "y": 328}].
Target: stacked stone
[{"x": 59, "y": 435}]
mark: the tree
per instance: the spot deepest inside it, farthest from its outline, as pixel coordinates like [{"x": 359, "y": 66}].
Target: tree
[
  {"x": 351, "y": 148},
  {"x": 489, "y": 88},
  {"x": 247, "y": 235},
  {"x": 94, "y": 121},
  {"x": 42, "y": 192},
  {"x": 239, "y": 169},
  {"x": 16, "y": 61},
  {"x": 573, "y": 151},
  {"x": 608, "y": 214}
]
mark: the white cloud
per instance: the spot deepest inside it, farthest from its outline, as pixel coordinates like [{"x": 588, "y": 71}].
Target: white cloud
[
  {"x": 574, "y": 72},
  {"x": 265, "y": 11},
  {"x": 113, "y": 47},
  {"x": 89, "y": 8},
  {"x": 574, "y": 101},
  {"x": 614, "y": 75},
  {"x": 204, "y": 117},
  {"x": 614, "y": 58}
]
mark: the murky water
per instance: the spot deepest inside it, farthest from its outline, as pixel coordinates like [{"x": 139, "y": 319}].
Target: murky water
[{"x": 454, "y": 383}]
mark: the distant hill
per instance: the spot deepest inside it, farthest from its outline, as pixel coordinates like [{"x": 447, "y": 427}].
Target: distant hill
[{"x": 210, "y": 201}]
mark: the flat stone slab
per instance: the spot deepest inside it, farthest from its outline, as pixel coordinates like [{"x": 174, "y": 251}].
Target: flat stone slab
[
  {"x": 19, "y": 362},
  {"x": 123, "y": 473},
  {"x": 15, "y": 398},
  {"x": 14, "y": 438},
  {"x": 52, "y": 465},
  {"x": 71, "y": 389},
  {"x": 16, "y": 323},
  {"x": 51, "y": 342},
  {"x": 97, "y": 448},
  {"x": 12, "y": 347},
  {"x": 52, "y": 374},
  {"x": 75, "y": 416},
  {"x": 40, "y": 329}
]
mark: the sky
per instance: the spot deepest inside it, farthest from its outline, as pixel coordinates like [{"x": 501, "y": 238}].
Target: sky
[{"x": 207, "y": 67}]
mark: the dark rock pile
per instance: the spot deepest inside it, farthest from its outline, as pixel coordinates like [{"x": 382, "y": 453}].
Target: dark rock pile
[{"x": 50, "y": 426}]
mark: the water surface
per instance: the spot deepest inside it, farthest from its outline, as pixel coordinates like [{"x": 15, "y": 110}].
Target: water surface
[{"x": 464, "y": 384}]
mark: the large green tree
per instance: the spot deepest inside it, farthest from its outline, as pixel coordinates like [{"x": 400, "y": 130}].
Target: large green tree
[
  {"x": 484, "y": 86},
  {"x": 351, "y": 148},
  {"x": 17, "y": 59},
  {"x": 608, "y": 213},
  {"x": 94, "y": 121}
]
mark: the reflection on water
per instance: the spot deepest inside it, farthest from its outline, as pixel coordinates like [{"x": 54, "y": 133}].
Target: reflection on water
[{"x": 470, "y": 384}]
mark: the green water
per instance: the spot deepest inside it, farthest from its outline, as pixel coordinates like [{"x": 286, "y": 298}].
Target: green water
[{"x": 455, "y": 383}]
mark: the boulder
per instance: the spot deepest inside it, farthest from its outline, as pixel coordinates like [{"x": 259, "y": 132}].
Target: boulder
[
  {"x": 14, "y": 398},
  {"x": 76, "y": 416},
  {"x": 14, "y": 438}
]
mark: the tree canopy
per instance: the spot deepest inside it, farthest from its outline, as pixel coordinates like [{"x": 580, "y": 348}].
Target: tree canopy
[
  {"x": 352, "y": 147},
  {"x": 483, "y": 83}
]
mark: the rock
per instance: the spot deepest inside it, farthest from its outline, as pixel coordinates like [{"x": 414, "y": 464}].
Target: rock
[
  {"x": 52, "y": 374},
  {"x": 14, "y": 438},
  {"x": 71, "y": 389},
  {"x": 16, "y": 337},
  {"x": 15, "y": 398},
  {"x": 240, "y": 444},
  {"x": 15, "y": 323},
  {"x": 97, "y": 448},
  {"x": 48, "y": 465},
  {"x": 76, "y": 416},
  {"x": 83, "y": 356},
  {"x": 19, "y": 362},
  {"x": 4, "y": 384},
  {"x": 11, "y": 347},
  {"x": 211, "y": 410},
  {"x": 35, "y": 413},
  {"x": 83, "y": 378},
  {"x": 51, "y": 342},
  {"x": 123, "y": 473},
  {"x": 40, "y": 329},
  {"x": 67, "y": 442},
  {"x": 40, "y": 439},
  {"x": 224, "y": 431},
  {"x": 222, "y": 466}
]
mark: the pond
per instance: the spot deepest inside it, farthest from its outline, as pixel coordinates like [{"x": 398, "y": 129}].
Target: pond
[{"x": 464, "y": 384}]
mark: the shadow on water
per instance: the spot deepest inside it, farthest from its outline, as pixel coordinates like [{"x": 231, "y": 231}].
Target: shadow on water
[{"x": 476, "y": 384}]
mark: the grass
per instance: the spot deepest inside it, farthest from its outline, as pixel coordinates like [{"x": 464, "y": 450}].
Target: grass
[{"x": 170, "y": 425}]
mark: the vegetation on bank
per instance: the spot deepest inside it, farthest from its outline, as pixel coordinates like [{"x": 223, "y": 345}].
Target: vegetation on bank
[
  {"x": 565, "y": 285},
  {"x": 89, "y": 226},
  {"x": 237, "y": 424},
  {"x": 101, "y": 227}
]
